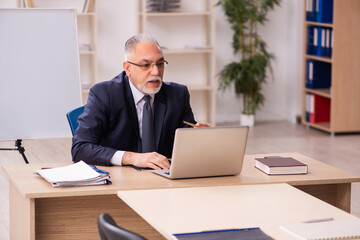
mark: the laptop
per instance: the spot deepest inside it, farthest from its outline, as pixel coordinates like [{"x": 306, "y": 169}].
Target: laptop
[{"x": 207, "y": 152}]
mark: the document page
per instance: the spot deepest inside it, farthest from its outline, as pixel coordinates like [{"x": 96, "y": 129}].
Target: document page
[{"x": 79, "y": 171}]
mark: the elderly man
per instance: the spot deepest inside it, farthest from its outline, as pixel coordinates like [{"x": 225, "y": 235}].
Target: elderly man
[{"x": 131, "y": 119}]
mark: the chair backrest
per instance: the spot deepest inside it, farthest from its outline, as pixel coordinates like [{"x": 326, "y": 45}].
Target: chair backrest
[
  {"x": 73, "y": 116},
  {"x": 108, "y": 230}
]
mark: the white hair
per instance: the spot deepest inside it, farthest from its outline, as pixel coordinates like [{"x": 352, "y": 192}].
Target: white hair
[{"x": 131, "y": 43}]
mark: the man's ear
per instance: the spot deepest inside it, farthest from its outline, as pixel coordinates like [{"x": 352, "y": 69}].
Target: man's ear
[{"x": 126, "y": 67}]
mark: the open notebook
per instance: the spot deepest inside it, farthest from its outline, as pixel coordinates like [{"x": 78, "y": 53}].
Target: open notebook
[{"x": 339, "y": 229}]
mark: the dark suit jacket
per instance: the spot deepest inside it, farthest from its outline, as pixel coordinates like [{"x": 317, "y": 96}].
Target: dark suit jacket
[{"x": 110, "y": 123}]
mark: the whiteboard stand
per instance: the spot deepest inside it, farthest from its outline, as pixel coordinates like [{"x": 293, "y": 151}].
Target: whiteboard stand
[{"x": 19, "y": 148}]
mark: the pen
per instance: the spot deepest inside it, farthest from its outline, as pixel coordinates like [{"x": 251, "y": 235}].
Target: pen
[
  {"x": 314, "y": 220},
  {"x": 99, "y": 170},
  {"x": 137, "y": 168},
  {"x": 189, "y": 123}
]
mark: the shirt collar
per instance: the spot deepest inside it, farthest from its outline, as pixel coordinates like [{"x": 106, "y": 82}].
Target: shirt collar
[{"x": 137, "y": 95}]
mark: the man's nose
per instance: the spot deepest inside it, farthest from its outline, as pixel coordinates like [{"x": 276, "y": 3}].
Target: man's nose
[{"x": 155, "y": 70}]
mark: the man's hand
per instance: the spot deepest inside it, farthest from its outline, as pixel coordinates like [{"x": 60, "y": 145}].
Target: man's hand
[
  {"x": 152, "y": 160},
  {"x": 200, "y": 125}
]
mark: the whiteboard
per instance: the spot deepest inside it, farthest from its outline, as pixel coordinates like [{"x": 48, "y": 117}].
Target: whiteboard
[{"x": 39, "y": 72}]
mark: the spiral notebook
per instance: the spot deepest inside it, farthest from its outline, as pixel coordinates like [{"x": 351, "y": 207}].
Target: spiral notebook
[{"x": 340, "y": 229}]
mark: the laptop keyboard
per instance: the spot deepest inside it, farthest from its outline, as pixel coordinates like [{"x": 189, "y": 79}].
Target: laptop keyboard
[{"x": 167, "y": 172}]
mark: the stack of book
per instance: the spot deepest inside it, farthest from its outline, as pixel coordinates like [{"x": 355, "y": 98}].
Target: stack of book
[{"x": 78, "y": 174}]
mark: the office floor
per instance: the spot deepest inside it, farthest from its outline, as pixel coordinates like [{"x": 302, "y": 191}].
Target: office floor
[{"x": 341, "y": 151}]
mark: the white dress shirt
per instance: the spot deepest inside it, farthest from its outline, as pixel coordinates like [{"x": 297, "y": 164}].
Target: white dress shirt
[{"x": 139, "y": 104}]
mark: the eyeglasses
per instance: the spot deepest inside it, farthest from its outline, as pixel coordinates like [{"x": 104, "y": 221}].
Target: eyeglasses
[{"x": 160, "y": 65}]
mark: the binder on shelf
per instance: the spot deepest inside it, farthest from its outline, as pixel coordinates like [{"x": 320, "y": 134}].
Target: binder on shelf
[
  {"x": 323, "y": 42},
  {"x": 319, "y": 109},
  {"x": 318, "y": 74},
  {"x": 319, "y": 41},
  {"x": 310, "y": 10},
  {"x": 329, "y": 35},
  {"x": 324, "y": 11},
  {"x": 315, "y": 41},
  {"x": 310, "y": 40},
  {"x": 307, "y": 107}
]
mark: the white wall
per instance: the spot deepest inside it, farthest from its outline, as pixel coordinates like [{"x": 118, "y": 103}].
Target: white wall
[{"x": 117, "y": 21}]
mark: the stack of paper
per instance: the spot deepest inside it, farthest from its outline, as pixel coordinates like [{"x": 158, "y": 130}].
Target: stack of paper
[{"x": 78, "y": 174}]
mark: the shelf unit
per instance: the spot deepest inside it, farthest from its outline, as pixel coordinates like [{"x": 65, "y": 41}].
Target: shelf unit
[
  {"x": 87, "y": 35},
  {"x": 344, "y": 93},
  {"x": 165, "y": 27}
]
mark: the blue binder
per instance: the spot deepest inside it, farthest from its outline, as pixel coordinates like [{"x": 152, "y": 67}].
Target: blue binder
[
  {"x": 329, "y": 54},
  {"x": 310, "y": 40},
  {"x": 311, "y": 10},
  {"x": 318, "y": 74},
  {"x": 319, "y": 39},
  {"x": 324, "y": 12},
  {"x": 323, "y": 42}
]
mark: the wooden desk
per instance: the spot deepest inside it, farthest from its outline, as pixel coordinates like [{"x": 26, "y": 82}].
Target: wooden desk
[
  {"x": 211, "y": 208},
  {"x": 43, "y": 212}
]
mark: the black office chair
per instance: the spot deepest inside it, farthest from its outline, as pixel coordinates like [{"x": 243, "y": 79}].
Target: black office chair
[
  {"x": 108, "y": 230},
  {"x": 72, "y": 117}
]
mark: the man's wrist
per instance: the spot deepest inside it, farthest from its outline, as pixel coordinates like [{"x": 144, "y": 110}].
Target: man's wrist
[
  {"x": 127, "y": 158},
  {"x": 117, "y": 158}
]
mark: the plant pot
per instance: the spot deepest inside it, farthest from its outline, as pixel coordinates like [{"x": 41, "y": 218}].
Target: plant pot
[{"x": 247, "y": 120}]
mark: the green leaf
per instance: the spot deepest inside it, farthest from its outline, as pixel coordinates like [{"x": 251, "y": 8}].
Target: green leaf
[{"x": 248, "y": 74}]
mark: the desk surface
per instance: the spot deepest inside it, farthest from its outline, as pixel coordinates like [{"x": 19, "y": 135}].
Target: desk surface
[
  {"x": 209, "y": 208},
  {"x": 31, "y": 185},
  {"x": 39, "y": 209}
]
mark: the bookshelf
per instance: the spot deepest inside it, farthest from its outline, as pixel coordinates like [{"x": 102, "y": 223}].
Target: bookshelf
[
  {"x": 191, "y": 62},
  {"x": 343, "y": 94},
  {"x": 87, "y": 35}
]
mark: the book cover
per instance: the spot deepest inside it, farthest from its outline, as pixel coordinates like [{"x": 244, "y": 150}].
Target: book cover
[{"x": 280, "y": 165}]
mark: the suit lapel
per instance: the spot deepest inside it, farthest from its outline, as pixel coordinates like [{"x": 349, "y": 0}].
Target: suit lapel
[{"x": 159, "y": 113}]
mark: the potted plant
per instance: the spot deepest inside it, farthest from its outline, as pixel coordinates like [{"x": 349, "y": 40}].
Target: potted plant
[{"x": 249, "y": 73}]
